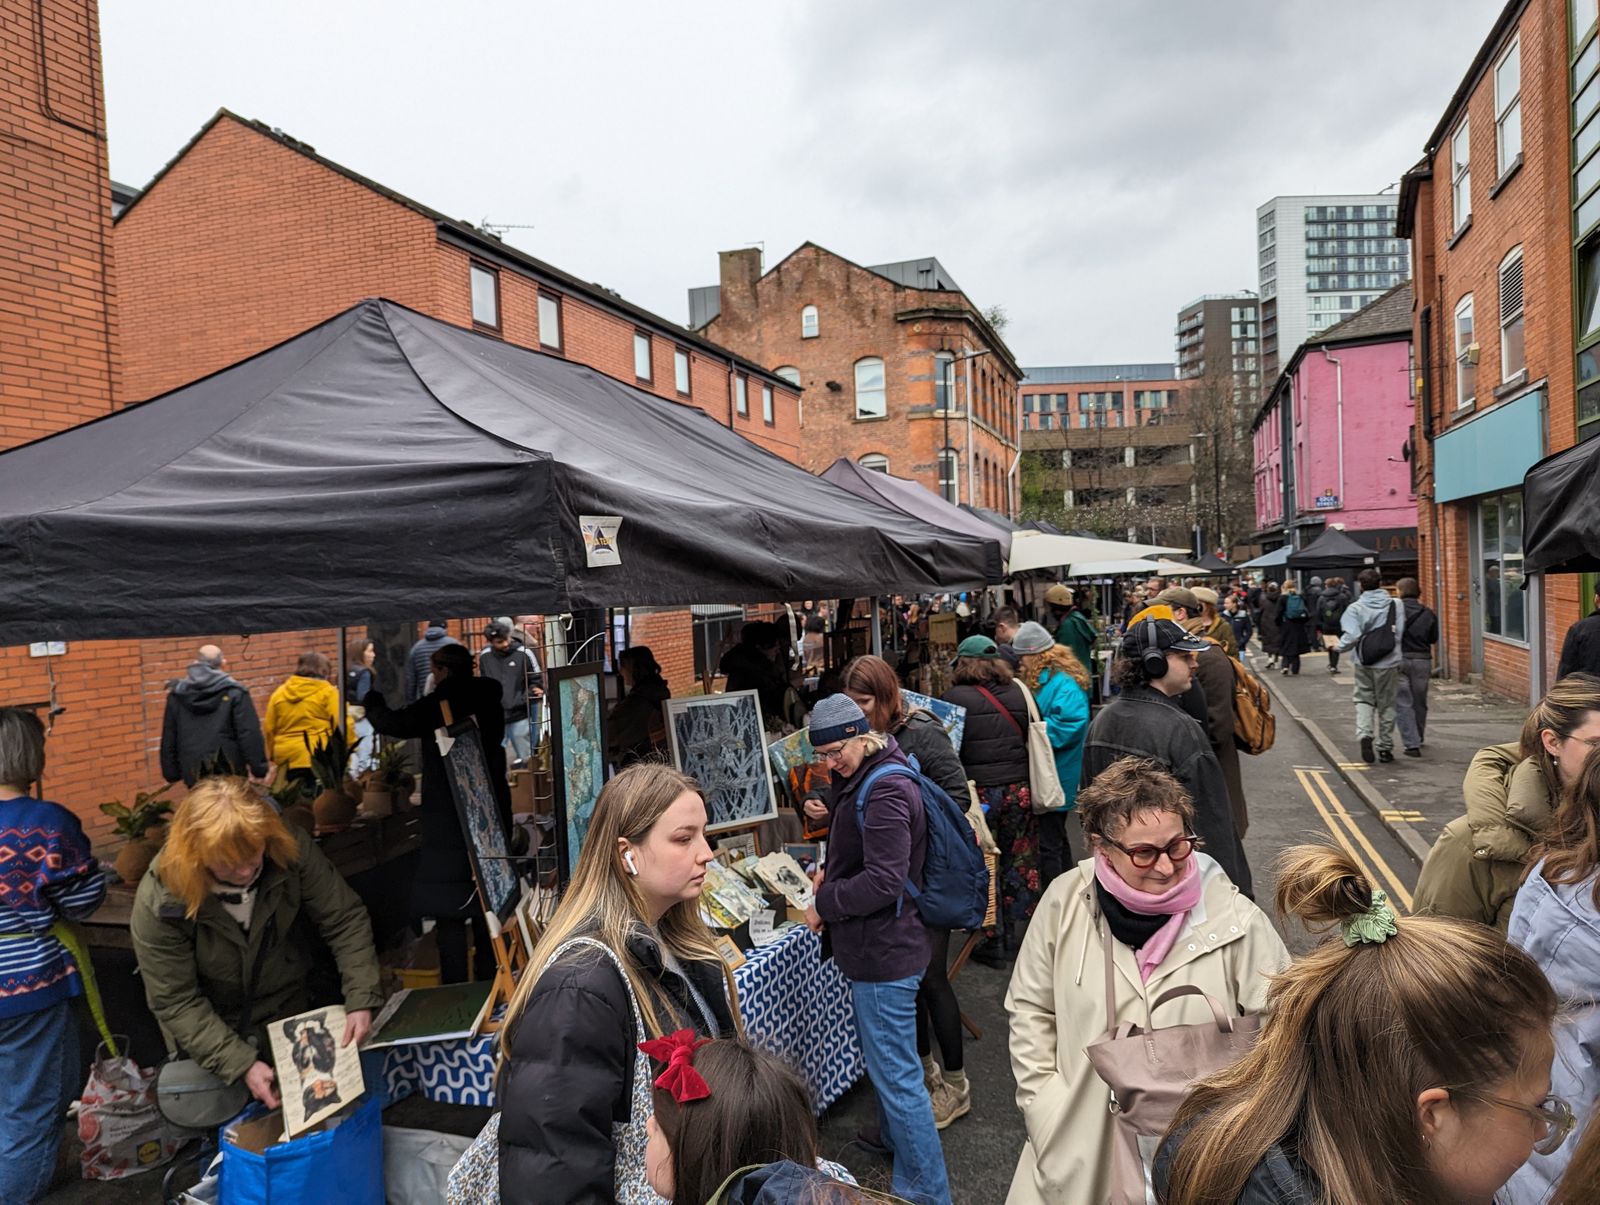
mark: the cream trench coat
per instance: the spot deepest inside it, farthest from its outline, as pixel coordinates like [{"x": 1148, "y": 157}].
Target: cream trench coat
[{"x": 1057, "y": 1006}]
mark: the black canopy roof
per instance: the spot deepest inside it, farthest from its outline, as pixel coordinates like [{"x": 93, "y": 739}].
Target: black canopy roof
[
  {"x": 1561, "y": 512},
  {"x": 385, "y": 465},
  {"x": 912, "y": 498},
  {"x": 1333, "y": 549},
  {"x": 1213, "y": 564}
]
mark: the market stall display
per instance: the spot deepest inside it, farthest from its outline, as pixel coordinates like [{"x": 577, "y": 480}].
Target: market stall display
[
  {"x": 577, "y": 754},
  {"x": 718, "y": 741}
]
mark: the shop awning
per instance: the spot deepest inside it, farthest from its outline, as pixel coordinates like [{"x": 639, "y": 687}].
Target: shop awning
[
  {"x": 911, "y": 498},
  {"x": 1276, "y": 559},
  {"x": 1561, "y": 512},
  {"x": 1333, "y": 549},
  {"x": 387, "y": 466}
]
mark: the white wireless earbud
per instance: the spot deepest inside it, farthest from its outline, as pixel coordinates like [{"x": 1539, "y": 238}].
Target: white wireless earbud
[{"x": 627, "y": 860}]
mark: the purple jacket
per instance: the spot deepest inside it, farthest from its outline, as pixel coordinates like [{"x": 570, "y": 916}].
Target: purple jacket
[{"x": 866, "y": 876}]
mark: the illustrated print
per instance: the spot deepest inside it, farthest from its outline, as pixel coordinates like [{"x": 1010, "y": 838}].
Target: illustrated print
[{"x": 719, "y": 741}]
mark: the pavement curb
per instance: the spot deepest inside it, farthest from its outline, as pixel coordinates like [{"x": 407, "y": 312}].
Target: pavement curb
[{"x": 1373, "y": 798}]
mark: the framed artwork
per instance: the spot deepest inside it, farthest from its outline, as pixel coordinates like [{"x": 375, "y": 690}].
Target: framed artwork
[
  {"x": 740, "y": 845},
  {"x": 731, "y": 953},
  {"x": 952, "y": 716},
  {"x": 577, "y": 753},
  {"x": 718, "y": 740},
  {"x": 479, "y": 811},
  {"x": 807, "y": 855}
]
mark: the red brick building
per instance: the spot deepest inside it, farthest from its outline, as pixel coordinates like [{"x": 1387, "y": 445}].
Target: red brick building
[
  {"x": 901, "y": 371},
  {"x": 1490, "y": 214}
]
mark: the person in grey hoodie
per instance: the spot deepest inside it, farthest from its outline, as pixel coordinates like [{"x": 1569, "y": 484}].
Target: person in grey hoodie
[
  {"x": 418, "y": 666},
  {"x": 209, "y": 713},
  {"x": 1377, "y": 668}
]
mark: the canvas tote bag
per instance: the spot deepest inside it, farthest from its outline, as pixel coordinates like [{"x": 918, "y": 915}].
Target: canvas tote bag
[
  {"x": 1150, "y": 1071},
  {"x": 1044, "y": 784}
]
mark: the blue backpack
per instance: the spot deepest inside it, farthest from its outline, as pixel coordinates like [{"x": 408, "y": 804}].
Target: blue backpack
[
  {"x": 955, "y": 881},
  {"x": 1295, "y": 608}
]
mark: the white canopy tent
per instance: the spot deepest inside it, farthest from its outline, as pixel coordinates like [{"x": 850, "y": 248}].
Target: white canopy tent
[{"x": 1039, "y": 550}]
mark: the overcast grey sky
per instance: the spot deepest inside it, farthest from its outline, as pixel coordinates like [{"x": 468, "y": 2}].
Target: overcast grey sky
[{"x": 1089, "y": 166}]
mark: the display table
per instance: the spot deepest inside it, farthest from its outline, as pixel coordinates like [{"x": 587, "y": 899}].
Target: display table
[{"x": 793, "y": 1003}]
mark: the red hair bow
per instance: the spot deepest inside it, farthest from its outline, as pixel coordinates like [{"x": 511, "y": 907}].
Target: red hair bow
[{"x": 680, "y": 1078}]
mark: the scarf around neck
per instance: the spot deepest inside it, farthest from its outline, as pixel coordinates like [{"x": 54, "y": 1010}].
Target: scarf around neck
[{"x": 1175, "y": 903}]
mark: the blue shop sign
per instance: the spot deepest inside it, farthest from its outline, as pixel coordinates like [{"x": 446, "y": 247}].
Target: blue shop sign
[
  {"x": 1327, "y": 501},
  {"x": 1490, "y": 452}
]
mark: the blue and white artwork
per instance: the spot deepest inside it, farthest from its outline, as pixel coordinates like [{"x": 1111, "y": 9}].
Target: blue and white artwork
[
  {"x": 953, "y": 717},
  {"x": 578, "y": 763},
  {"x": 718, "y": 740}
]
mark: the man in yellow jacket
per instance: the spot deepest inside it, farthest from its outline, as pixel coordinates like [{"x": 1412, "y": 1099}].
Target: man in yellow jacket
[{"x": 301, "y": 715}]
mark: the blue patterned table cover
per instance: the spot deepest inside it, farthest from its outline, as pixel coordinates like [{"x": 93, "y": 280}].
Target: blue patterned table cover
[{"x": 794, "y": 1004}]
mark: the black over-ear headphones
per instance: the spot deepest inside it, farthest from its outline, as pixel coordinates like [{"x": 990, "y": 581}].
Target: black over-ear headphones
[{"x": 1152, "y": 658}]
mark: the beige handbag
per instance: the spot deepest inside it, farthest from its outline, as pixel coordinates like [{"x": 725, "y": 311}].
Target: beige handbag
[
  {"x": 1044, "y": 783},
  {"x": 1151, "y": 1070}
]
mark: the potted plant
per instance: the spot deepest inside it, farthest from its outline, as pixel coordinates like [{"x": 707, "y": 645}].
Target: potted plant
[
  {"x": 389, "y": 781},
  {"x": 289, "y": 794},
  {"x": 330, "y": 766},
  {"x": 143, "y": 828}
]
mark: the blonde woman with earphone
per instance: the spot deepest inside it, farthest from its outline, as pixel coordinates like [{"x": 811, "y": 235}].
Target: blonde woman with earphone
[{"x": 625, "y": 959}]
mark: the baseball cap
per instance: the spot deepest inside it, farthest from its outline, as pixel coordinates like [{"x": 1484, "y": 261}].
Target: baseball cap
[
  {"x": 1157, "y": 624},
  {"x": 1179, "y": 596},
  {"x": 496, "y": 631},
  {"x": 977, "y": 646}
]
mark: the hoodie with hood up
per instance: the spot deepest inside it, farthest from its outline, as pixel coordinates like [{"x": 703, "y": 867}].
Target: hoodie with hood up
[
  {"x": 1367, "y": 614},
  {"x": 209, "y": 712},
  {"x": 420, "y": 666},
  {"x": 301, "y": 715}
]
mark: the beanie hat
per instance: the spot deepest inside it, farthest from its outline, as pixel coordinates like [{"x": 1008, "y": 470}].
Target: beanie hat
[
  {"x": 836, "y": 718},
  {"x": 1032, "y": 638}
]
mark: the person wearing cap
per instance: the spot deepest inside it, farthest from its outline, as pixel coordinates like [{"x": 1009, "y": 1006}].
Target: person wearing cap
[
  {"x": 1215, "y": 627},
  {"x": 1155, "y": 665},
  {"x": 1210, "y": 699},
  {"x": 1060, "y": 686},
  {"x": 514, "y": 667},
  {"x": 878, "y": 939},
  {"x": 994, "y": 750},
  {"x": 1070, "y": 625}
]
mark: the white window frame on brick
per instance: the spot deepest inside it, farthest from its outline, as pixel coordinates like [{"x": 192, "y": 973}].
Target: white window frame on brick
[
  {"x": 788, "y": 372},
  {"x": 1466, "y": 354},
  {"x": 808, "y": 322},
  {"x": 1461, "y": 176},
  {"x": 680, "y": 371},
  {"x": 741, "y": 394},
  {"x": 480, "y": 275},
  {"x": 768, "y": 416},
  {"x": 950, "y": 475},
  {"x": 549, "y": 321},
  {"x": 1508, "y": 107},
  {"x": 872, "y": 401},
  {"x": 1513, "y": 334},
  {"x": 642, "y": 357},
  {"x": 874, "y": 462}
]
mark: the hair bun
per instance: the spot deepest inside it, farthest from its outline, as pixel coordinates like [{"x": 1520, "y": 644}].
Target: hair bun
[{"x": 1321, "y": 886}]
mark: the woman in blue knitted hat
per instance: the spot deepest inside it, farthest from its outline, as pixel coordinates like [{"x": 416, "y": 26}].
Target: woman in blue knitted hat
[{"x": 877, "y": 839}]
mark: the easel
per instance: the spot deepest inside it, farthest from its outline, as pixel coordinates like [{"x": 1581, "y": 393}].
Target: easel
[{"x": 510, "y": 960}]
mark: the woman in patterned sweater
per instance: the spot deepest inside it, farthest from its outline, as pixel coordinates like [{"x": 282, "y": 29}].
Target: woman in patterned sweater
[{"x": 47, "y": 875}]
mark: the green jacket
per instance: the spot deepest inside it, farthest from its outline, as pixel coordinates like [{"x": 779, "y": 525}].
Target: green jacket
[
  {"x": 194, "y": 970},
  {"x": 1079, "y": 634}
]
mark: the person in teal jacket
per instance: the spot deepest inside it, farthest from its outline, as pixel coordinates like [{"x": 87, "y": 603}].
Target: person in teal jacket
[
  {"x": 1060, "y": 686},
  {"x": 1070, "y": 626}
]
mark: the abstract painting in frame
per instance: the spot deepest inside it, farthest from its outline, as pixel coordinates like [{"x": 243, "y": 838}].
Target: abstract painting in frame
[{"x": 719, "y": 741}]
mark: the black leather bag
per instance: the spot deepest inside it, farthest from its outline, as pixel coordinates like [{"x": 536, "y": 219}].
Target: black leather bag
[{"x": 1377, "y": 643}]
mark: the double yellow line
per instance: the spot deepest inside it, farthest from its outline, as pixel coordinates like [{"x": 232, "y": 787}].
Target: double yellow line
[{"x": 1343, "y": 827}]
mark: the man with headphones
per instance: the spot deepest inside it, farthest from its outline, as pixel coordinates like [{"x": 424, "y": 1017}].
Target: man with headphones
[{"x": 1154, "y": 666}]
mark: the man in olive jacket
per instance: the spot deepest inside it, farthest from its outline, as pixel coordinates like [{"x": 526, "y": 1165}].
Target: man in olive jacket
[{"x": 196, "y": 971}]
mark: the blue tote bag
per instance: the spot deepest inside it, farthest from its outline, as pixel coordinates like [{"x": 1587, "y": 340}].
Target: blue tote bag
[{"x": 341, "y": 1166}]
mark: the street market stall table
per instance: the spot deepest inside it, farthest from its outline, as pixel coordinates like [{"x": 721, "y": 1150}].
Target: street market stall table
[{"x": 794, "y": 1004}]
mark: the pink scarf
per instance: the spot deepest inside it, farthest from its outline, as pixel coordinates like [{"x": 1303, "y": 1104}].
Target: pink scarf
[{"x": 1174, "y": 903}]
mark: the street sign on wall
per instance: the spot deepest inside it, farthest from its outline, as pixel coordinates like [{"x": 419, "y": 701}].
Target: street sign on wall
[{"x": 1327, "y": 502}]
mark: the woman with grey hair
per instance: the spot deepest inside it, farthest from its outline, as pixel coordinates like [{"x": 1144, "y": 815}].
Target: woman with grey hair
[{"x": 47, "y": 877}]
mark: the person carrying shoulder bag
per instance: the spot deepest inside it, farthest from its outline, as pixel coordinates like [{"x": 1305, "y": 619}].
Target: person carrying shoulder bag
[{"x": 1058, "y": 692}]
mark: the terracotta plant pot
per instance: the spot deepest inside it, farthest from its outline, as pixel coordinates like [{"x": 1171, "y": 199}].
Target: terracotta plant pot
[
  {"x": 377, "y": 801},
  {"x": 134, "y": 858},
  {"x": 333, "y": 809},
  {"x": 300, "y": 815}
]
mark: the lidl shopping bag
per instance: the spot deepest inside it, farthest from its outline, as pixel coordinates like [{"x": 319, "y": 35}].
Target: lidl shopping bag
[
  {"x": 339, "y": 1165},
  {"x": 122, "y": 1130}
]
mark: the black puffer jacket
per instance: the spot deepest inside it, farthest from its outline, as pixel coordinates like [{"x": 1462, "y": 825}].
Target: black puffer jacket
[
  {"x": 992, "y": 749},
  {"x": 923, "y": 737},
  {"x": 570, "y": 1072}
]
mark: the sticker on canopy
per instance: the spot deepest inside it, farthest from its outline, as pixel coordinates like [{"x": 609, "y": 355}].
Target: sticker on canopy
[{"x": 600, "y": 539}]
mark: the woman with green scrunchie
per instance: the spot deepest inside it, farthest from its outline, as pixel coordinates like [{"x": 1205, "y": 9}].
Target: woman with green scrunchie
[{"x": 1405, "y": 1058}]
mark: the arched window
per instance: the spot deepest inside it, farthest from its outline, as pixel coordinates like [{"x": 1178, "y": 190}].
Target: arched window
[
  {"x": 789, "y": 373},
  {"x": 876, "y": 461},
  {"x": 870, "y": 399},
  {"x": 808, "y": 322}
]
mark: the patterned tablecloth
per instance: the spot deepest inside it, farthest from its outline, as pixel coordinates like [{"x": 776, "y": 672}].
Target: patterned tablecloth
[{"x": 793, "y": 1003}]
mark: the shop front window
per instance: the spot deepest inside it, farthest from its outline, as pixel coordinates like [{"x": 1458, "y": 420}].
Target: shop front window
[{"x": 1500, "y": 541}]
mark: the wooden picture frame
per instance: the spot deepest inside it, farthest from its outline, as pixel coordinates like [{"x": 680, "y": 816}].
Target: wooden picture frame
[
  {"x": 719, "y": 741},
  {"x": 576, "y": 696},
  {"x": 731, "y": 953},
  {"x": 742, "y": 844}
]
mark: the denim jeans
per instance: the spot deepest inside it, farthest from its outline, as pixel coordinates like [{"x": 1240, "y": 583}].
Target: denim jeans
[
  {"x": 518, "y": 739},
  {"x": 39, "y": 1068},
  {"x": 886, "y": 1023}
]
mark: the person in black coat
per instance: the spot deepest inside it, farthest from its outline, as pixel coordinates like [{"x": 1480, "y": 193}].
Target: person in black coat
[
  {"x": 443, "y": 887},
  {"x": 1580, "y": 651},
  {"x": 627, "y": 941},
  {"x": 1331, "y": 606},
  {"x": 1269, "y": 623},
  {"x": 210, "y": 713}
]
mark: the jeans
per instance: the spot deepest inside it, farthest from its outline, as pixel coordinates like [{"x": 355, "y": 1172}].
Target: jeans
[
  {"x": 1376, "y": 690},
  {"x": 39, "y": 1068},
  {"x": 518, "y": 739},
  {"x": 1411, "y": 700},
  {"x": 886, "y": 1024}
]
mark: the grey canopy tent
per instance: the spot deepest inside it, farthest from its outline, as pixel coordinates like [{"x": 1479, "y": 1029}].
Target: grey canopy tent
[
  {"x": 910, "y": 498},
  {"x": 1561, "y": 512},
  {"x": 384, "y": 465},
  {"x": 1333, "y": 549}
]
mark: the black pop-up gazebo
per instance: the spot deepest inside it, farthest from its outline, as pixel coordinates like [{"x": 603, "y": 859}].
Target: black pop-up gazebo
[
  {"x": 1333, "y": 549},
  {"x": 384, "y": 465},
  {"x": 1561, "y": 512}
]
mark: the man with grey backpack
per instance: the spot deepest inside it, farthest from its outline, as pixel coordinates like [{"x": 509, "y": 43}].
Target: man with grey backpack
[{"x": 1371, "y": 628}]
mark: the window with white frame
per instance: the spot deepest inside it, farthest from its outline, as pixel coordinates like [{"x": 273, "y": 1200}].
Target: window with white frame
[
  {"x": 1500, "y": 569},
  {"x": 1461, "y": 176},
  {"x": 789, "y": 373},
  {"x": 1513, "y": 355},
  {"x": 485, "y": 296},
  {"x": 1466, "y": 355},
  {"x": 641, "y": 355},
  {"x": 808, "y": 322},
  {"x": 943, "y": 379},
  {"x": 680, "y": 370},
  {"x": 550, "y": 321},
  {"x": 766, "y": 405},
  {"x": 877, "y": 462},
  {"x": 871, "y": 400},
  {"x": 1508, "y": 107},
  {"x": 741, "y": 394},
  {"x": 949, "y": 475}
]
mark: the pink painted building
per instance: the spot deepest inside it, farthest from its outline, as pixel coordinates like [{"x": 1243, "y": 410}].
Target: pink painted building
[{"x": 1333, "y": 440}]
